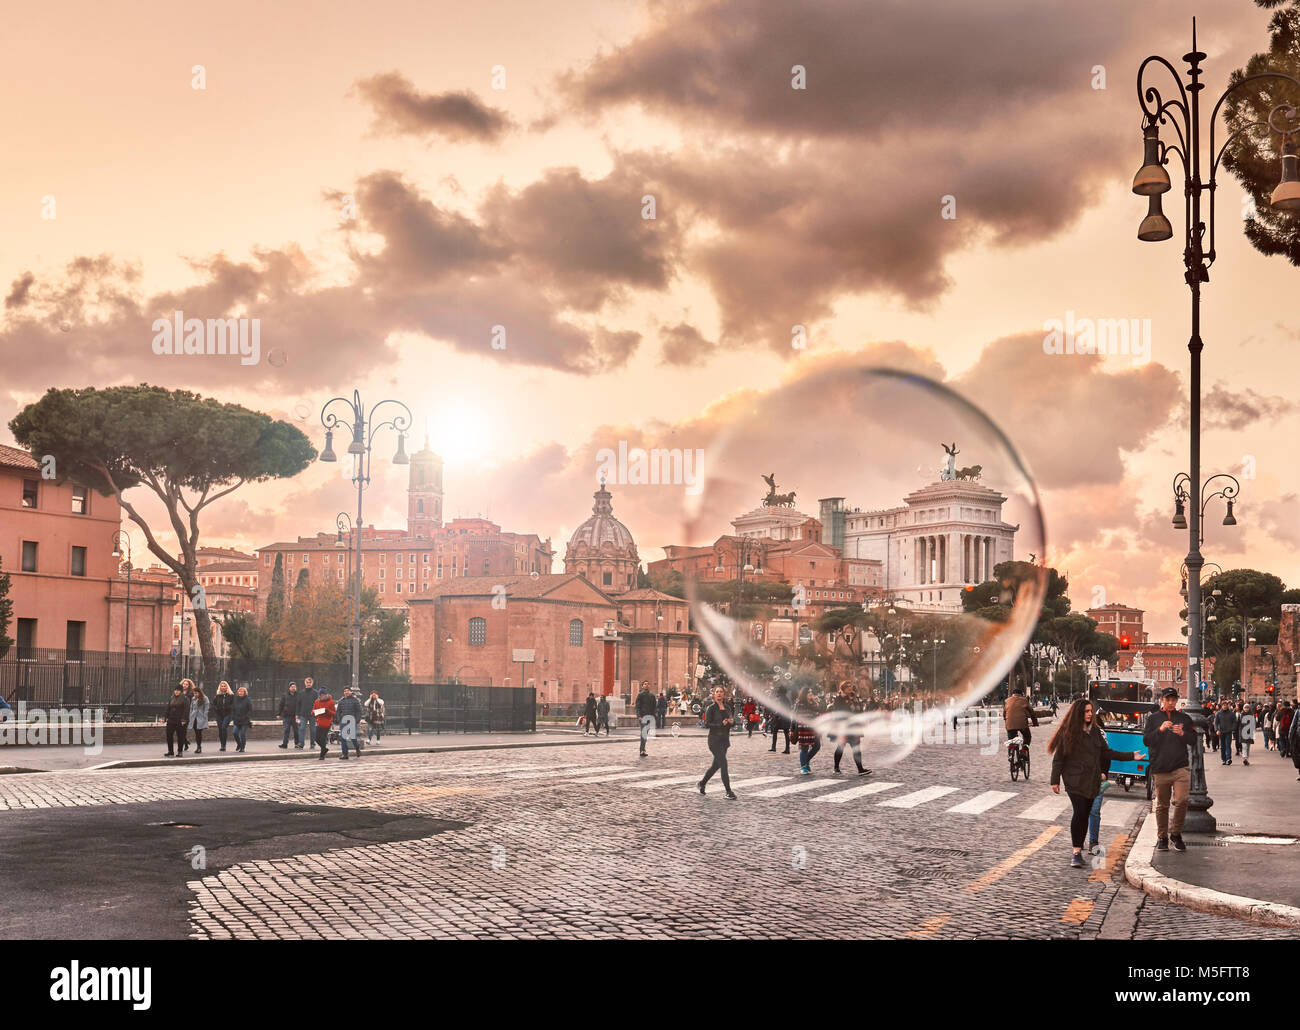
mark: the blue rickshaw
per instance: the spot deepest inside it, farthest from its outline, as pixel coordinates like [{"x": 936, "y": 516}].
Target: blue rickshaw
[{"x": 1121, "y": 708}]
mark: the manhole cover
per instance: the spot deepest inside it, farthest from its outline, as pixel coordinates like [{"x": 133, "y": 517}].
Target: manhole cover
[
  {"x": 176, "y": 825},
  {"x": 919, "y": 873},
  {"x": 944, "y": 852},
  {"x": 1255, "y": 838},
  {"x": 304, "y": 813}
]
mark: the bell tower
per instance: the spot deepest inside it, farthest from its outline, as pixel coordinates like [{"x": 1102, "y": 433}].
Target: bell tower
[{"x": 424, "y": 493}]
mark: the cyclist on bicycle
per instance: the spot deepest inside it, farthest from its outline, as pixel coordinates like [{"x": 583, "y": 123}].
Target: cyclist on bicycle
[{"x": 1018, "y": 713}]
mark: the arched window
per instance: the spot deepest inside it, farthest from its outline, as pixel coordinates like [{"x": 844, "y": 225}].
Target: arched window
[
  {"x": 575, "y": 632},
  {"x": 477, "y": 632},
  {"x": 419, "y": 507}
]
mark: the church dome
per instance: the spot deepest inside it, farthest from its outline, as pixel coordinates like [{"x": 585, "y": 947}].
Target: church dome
[{"x": 602, "y": 533}]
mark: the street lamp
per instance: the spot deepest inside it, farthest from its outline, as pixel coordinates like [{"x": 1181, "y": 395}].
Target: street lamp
[
  {"x": 360, "y": 449},
  {"x": 1183, "y": 112},
  {"x": 120, "y": 536},
  {"x": 1181, "y": 497},
  {"x": 343, "y": 523}
]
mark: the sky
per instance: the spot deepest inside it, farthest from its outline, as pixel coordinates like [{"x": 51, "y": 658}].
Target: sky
[{"x": 923, "y": 187}]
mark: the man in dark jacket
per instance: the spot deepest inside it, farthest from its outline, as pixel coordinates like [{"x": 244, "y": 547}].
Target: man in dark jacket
[
  {"x": 589, "y": 715},
  {"x": 349, "y": 715},
  {"x": 1168, "y": 734},
  {"x": 1018, "y": 713},
  {"x": 1225, "y": 721},
  {"x": 661, "y": 712},
  {"x": 602, "y": 715},
  {"x": 306, "y": 721},
  {"x": 289, "y": 716},
  {"x": 646, "y": 706},
  {"x": 178, "y": 713},
  {"x": 719, "y": 720}
]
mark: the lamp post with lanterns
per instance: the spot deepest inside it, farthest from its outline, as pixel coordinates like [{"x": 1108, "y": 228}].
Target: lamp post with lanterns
[
  {"x": 343, "y": 523},
  {"x": 1182, "y": 111},
  {"x": 120, "y": 536},
  {"x": 363, "y": 429}
]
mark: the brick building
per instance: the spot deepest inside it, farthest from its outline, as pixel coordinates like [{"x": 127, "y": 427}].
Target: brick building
[
  {"x": 1166, "y": 663},
  {"x": 1119, "y": 620},
  {"x": 56, "y": 544},
  {"x": 1263, "y": 661}
]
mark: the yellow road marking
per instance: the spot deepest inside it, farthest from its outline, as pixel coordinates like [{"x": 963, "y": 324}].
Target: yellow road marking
[
  {"x": 1011, "y": 861},
  {"x": 929, "y": 926},
  {"x": 1114, "y": 858},
  {"x": 1077, "y": 911}
]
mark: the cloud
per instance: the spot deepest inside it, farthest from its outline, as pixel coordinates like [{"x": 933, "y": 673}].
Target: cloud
[
  {"x": 21, "y": 287},
  {"x": 684, "y": 345},
  {"x": 402, "y": 109},
  {"x": 1236, "y": 408}
]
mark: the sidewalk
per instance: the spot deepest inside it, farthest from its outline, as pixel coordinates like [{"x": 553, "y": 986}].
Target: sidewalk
[
  {"x": 22, "y": 758},
  {"x": 1228, "y": 872}
]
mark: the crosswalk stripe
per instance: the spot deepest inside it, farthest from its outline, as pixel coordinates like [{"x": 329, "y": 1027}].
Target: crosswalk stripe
[
  {"x": 625, "y": 776},
  {"x": 555, "y": 771},
  {"x": 918, "y": 797},
  {"x": 983, "y": 802},
  {"x": 1116, "y": 814},
  {"x": 1047, "y": 809},
  {"x": 753, "y": 782},
  {"x": 840, "y": 796},
  {"x": 668, "y": 782},
  {"x": 797, "y": 788},
  {"x": 458, "y": 771}
]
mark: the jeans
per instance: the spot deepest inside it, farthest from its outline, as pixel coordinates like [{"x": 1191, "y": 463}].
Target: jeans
[
  {"x": 223, "y": 728},
  {"x": 374, "y": 730},
  {"x": 1176, "y": 784},
  {"x": 806, "y": 752},
  {"x": 1225, "y": 747},
  {"x": 647, "y": 723},
  {"x": 1094, "y": 820},
  {"x": 307, "y": 725},
  {"x": 348, "y": 735},
  {"x": 602, "y": 720},
  {"x": 241, "y": 736},
  {"x": 1245, "y": 749},
  {"x": 290, "y": 723},
  {"x": 719, "y": 765}
]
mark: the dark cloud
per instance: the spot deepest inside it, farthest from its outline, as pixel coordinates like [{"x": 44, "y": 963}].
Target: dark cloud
[
  {"x": 1236, "y": 408},
  {"x": 400, "y": 108},
  {"x": 684, "y": 345},
  {"x": 21, "y": 287}
]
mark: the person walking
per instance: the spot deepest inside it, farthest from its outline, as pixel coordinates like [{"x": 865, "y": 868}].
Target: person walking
[
  {"x": 1293, "y": 743},
  {"x": 1236, "y": 729},
  {"x": 222, "y": 703},
  {"x": 810, "y": 742},
  {"x": 661, "y": 712},
  {"x": 188, "y": 684},
  {"x": 323, "y": 713},
  {"x": 777, "y": 721},
  {"x": 241, "y": 717},
  {"x": 602, "y": 715},
  {"x": 718, "y": 719},
  {"x": 646, "y": 706},
  {"x": 749, "y": 713},
  {"x": 349, "y": 715},
  {"x": 178, "y": 713},
  {"x": 306, "y": 706},
  {"x": 1168, "y": 735},
  {"x": 374, "y": 718},
  {"x": 198, "y": 720},
  {"x": 1080, "y": 756},
  {"x": 1225, "y": 721},
  {"x": 1018, "y": 713},
  {"x": 289, "y": 716},
  {"x": 1266, "y": 726},
  {"x": 1285, "y": 722},
  {"x": 846, "y": 701},
  {"x": 589, "y": 715},
  {"x": 1246, "y": 731}
]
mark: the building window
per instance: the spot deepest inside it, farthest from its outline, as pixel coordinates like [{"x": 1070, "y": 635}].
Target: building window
[
  {"x": 426, "y": 559},
  {"x": 381, "y": 573},
  {"x": 76, "y": 638},
  {"x": 398, "y": 558},
  {"x": 478, "y": 632},
  {"x": 80, "y": 501},
  {"x": 398, "y": 573},
  {"x": 78, "y": 566},
  {"x": 306, "y": 559},
  {"x": 575, "y": 632},
  {"x": 30, "y": 486},
  {"x": 26, "y": 637},
  {"x": 266, "y": 559},
  {"x": 412, "y": 559},
  {"x": 607, "y": 579},
  {"x": 29, "y": 555},
  {"x": 419, "y": 507},
  {"x": 399, "y": 588}
]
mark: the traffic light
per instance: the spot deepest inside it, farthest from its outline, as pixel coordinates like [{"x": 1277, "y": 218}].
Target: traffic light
[
  {"x": 1269, "y": 689},
  {"x": 1123, "y": 643}
]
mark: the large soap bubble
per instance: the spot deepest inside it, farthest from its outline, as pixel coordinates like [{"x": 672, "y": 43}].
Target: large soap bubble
[{"x": 818, "y": 555}]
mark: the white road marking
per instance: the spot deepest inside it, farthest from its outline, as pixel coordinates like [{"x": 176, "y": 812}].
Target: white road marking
[
  {"x": 983, "y": 802},
  {"x": 716, "y": 782},
  {"x": 840, "y": 796},
  {"x": 669, "y": 782},
  {"x": 798, "y": 788},
  {"x": 625, "y": 776},
  {"x": 1047, "y": 809},
  {"x": 918, "y": 797},
  {"x": 567, "y": 771}
]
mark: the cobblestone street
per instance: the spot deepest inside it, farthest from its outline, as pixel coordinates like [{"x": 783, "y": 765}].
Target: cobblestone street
[{"x": 560, "y": 842}]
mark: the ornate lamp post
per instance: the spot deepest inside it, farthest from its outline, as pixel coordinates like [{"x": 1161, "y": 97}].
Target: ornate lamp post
[
  {"x": 343, "y": 523},
  {"x": 118, "y": 537},
  {"x": 1182, "y": 111},
  {"x": 363, "y": 431}
]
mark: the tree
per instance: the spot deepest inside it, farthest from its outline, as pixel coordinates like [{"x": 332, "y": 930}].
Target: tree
[
  {"x": 248, "y": 638},
  {"x": 1253, "y": 156},
  {"x": 6, "y": 613},
  {"x": 173, "y": 442},
  {"x": 275, "y": 598},
  {"x": 669, "y": 581},
  {"x": 303, "y": 577},
  {"x": 314, "y": 625},
  {"x": 382, "y": 630}
]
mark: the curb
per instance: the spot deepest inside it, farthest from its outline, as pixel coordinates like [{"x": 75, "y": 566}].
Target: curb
[
  {"x": 1141, "y": 874},
  {"x": 145, "y": 763}
]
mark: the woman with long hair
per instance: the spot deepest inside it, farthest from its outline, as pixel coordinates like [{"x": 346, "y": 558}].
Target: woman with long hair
[
  {"x": 806, "y": 709},
  {"x": 1080, "y": 757},
  {"x": 223, "y": 701},
  {"x": 198, "y": 717}
]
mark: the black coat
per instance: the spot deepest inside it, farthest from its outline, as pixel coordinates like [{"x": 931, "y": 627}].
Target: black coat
[
  {"x": 242, "y": 712},
  {"x": 221, "y": 705},
  {"x": 178, "y": 711},
  {"x": 646, "y": 704},
  {"x": 306, "y": 702},
  {"x": 1082, "y": 769},
  {"x": 289, "y": 705}
]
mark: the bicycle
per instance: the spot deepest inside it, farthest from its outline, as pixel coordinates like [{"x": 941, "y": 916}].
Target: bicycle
[{"x": 1018, "y": 757}]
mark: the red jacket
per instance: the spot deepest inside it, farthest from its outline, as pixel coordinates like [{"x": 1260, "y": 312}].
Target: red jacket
[{"x": 326, "y": 718}]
